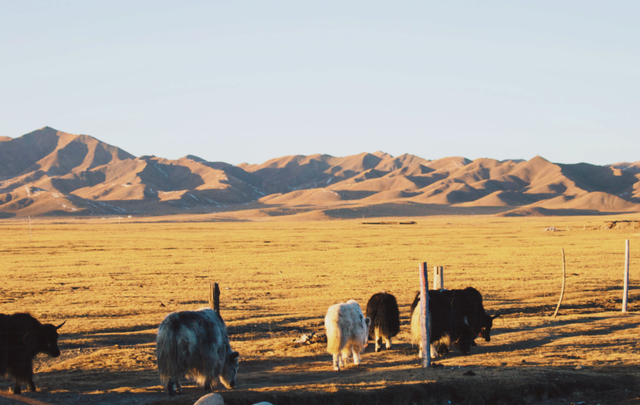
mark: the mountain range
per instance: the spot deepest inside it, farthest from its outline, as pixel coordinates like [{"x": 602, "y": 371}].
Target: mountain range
[{"x": 49, "y": 172}]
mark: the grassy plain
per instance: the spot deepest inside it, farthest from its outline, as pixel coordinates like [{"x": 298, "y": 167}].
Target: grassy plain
[{"x": 114, "y": 280}]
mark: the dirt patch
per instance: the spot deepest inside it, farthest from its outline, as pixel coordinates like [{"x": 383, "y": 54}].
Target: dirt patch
[{"x": 621, "y": 225}]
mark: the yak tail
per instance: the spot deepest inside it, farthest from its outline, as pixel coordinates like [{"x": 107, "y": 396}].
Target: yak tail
[
  {"x": 334, "y": 333},
  {"x": 168, "y": 353},
  {"x": 387, "y": 318}
]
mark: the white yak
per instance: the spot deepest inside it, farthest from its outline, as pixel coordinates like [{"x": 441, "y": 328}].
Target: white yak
[{"x": 347, "y": 332}]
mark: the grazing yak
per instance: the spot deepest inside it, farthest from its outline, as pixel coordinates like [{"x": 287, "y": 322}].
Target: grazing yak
[
  {"x": 459, "y": 317},
  {"x": 471, "y": 308},
  {"x": 347, "y": 331},
  {"x": 22, "y": 337},
  {"x": 196, "y": 344},
  {"x": 446, "y": 324},
  {"x": 382, "y": 309}
]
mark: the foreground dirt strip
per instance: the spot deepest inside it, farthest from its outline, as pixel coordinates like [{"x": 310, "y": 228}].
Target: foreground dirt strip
[
  {"x": 485, "y": 387},
  {"x": 10, "y": 399}
]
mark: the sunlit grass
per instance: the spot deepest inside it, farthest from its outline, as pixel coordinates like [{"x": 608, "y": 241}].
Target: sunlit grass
[{"x": 114, "y": 282}]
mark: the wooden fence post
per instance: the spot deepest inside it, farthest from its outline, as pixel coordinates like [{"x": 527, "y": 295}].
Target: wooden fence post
[
  {"x": 625, "y": 293},
  {"x": 214, "y": 297},
  {"x": 438, "y": 278},
  {"x": 424, "y": 315},
  {"x": 564, "y": 279}
]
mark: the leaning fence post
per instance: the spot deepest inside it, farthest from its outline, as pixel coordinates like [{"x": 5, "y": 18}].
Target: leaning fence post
[
  {"x": 564, "y": 279},
  {"x": 625, "y": 293},
  {"x": 424, "y": 315},
  {"x": 214, "y": 297},
  {"x": 438, "y": 278}
]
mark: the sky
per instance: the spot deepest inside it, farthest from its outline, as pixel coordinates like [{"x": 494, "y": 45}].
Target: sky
[{"x": 248, "y": 81}]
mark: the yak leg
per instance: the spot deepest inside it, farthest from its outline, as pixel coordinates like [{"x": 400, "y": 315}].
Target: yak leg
[
  {"x": 170, "y": 387},
  {"x": 377, "y": 337},
  {"x": 387, "y": 342},
  {"x": 434, "y": 351},
  {"x": 346, "y": 351},
  {"x": 336, "y": 361},
  {"x": 25, "y": 371},
  {"x": 463, "y": 344},
  {"x": 174, "y": 387},
  {"x": 356, "y": 354},
  {"x": 29, "y": 375},
  {"x": 32, "y": 386},
  {"x": 207, "y": 385}
]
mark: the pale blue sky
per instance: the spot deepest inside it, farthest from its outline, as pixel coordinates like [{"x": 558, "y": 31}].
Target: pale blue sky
[{"x": 247, "y": 81}]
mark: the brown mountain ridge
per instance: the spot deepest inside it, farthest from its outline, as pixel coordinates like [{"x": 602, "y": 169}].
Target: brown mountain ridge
[{"x": 49, "y": 172}]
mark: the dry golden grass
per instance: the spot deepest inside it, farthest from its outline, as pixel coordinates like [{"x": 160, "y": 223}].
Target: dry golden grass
[{"x": 115, "y": 280}]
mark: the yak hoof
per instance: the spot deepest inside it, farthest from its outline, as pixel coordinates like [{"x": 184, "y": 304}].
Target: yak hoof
[{"x": 171, "y": 389}]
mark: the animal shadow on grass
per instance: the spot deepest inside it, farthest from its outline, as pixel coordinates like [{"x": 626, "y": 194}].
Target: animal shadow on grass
[
  {"x": 82, "y": 387},
  {"x": 284, "y": 370},
  {"x": 110, "y": 336},
  {"x": 560, "y": 334},
  {"x": 265, "y": 329}
]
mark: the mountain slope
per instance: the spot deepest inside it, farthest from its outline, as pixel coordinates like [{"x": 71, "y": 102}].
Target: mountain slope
[{"x": 49, "y": 172}]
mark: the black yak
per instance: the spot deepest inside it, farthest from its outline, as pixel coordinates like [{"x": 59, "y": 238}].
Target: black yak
[
  {"x": 22, "y": 337},
  {"x": 382, "y": 309},
  {"x": 446, "y": 322},
  {"x": 471, "y": 307}
]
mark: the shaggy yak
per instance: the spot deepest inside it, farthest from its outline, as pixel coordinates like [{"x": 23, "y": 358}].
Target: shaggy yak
[
  {"x": 382, "y": 309},
  {"x": 447, "y": 324},
  {"x": 22, "y": 337},
  {"x": 196, "y": 344},
  {"x": 347, "y": 332}
]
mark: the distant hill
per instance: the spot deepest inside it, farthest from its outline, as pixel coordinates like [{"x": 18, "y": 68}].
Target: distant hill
[{"x": 49, "y": 172}]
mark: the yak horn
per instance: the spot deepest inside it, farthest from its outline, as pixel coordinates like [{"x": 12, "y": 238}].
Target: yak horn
[{"x": 60, "y": 326}]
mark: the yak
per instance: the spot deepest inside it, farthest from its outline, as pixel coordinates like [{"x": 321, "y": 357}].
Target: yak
[
  {"x": 447, "y": 324},
  {"x": 196, "y": 344},
  {"x": 347, "y": 332},
  {"x": 382, "y": 309},
  {"x": 22, "y": 337},
  {"x": 472, "y": 309}
]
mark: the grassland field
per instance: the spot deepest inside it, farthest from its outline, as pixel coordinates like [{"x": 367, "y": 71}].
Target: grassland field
[{"x": 114, "y": 280}]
